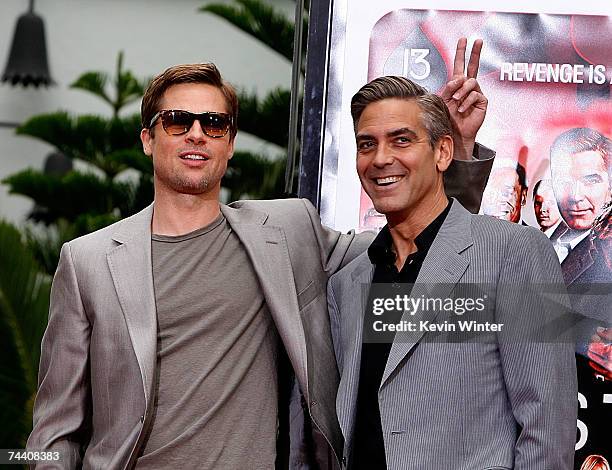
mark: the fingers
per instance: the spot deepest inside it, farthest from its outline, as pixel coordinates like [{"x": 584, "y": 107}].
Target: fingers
[
  {"x": 468, "y": 85},
  {"x": 451, "y": 88},
  {"x": 474, "y": 99},
  {"x": 472, "y": 69},
  {"x": 463, "y": 94},
  {"x": 459, "y": 64},
  {"x": 473, "y": 64}
]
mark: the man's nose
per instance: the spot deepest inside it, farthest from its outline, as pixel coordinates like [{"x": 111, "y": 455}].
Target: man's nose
[
  {"x": 383, "y": 156},
  {"x": 576, "y": 191},
  {"x": 196, "y": 133}
]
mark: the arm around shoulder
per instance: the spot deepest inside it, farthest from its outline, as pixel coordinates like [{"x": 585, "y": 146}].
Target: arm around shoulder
[{"x": 336, "y": 249}]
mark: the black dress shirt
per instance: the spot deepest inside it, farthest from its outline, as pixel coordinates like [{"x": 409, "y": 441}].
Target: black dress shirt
[{"x": 368, "y": 445}]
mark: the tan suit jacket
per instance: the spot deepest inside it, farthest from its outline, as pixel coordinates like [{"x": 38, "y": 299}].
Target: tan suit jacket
[{"x": 99, "y": 350}]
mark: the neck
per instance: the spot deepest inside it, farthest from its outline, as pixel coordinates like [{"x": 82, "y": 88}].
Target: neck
[
  {"x": 178, "y": 214},
  {"x": 405, "y": 228}
]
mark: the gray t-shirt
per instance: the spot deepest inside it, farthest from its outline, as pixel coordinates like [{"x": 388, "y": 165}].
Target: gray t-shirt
[{"x": 216, "y": 397}]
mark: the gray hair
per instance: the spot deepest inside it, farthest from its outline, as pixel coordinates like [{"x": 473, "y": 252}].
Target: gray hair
[{"x": 434, "y": 113}]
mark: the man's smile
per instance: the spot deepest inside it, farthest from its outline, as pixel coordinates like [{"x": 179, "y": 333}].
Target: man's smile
[{"x": 387, "y": 180}]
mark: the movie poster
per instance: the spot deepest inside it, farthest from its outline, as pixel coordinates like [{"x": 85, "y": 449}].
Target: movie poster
[{"x": 547, "y": 77}]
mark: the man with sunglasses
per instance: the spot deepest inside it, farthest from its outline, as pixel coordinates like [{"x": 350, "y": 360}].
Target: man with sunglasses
[{"x": 195, "y": 334}]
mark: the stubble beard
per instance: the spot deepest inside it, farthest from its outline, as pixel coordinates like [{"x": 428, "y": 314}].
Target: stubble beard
[
  {"x": 179, "y": 183},
  {"x": 189, "y": 185}
]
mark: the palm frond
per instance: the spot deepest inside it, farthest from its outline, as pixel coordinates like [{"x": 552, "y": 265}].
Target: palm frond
[
  {"x": 131, "y": 158},
  {"x": 24, "y": 306},
  {"x": 123, "y": 133},
  {"x": 88, "y": 137},
  {"x": 70, "y": 195},
  {"x": 45, "y": 242},
  {"x": 266, "y": 118},
  {"x": 260, "y": 21},
  {"x": 142, "y": 195},
  {"x": 94, "y": 83},
  {"x": 254, "y": 176},
  {"x": 128, "y": 88}
]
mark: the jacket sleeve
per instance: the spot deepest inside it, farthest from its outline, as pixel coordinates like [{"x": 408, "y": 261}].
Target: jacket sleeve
[
  {"x": 62, "y": 406},
  {"x": 537, "y": 360},
  {"x": 466, "y": 180},
  {"x": 336, "y": 249}
]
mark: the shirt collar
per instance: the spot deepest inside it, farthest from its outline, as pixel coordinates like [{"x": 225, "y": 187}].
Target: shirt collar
[
  {"x": 550, "y": 230},
  {"x": 381, "y": 251}
]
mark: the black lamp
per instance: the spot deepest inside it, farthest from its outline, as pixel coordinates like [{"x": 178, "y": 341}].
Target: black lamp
[{"x": 27, "y": 63}]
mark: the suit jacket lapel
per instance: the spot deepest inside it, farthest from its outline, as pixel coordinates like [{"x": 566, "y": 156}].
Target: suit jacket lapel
[
  {"x": 267, "y": 248},
  {"x": 132, "y": 272},
  {"x": 353, "y": 307},
  {"x": 441, "y": 270},
  {"x": 578, "y": 260}
]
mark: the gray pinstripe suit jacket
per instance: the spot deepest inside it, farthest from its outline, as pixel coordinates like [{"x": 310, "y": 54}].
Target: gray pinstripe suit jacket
[{"x": 495, "y": 405}]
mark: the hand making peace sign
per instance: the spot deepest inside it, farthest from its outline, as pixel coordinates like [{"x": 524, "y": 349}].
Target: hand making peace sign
[{"x": 465, "y": 100}]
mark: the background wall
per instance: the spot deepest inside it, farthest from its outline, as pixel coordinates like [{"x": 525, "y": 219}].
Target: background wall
[{"x": 84, "y": 35}]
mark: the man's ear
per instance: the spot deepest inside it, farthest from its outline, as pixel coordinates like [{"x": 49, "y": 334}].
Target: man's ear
[
  {"x": 444, "y": 152},
  {"x": 231, "y": 149},
  {"x": 145, "y": 138}
]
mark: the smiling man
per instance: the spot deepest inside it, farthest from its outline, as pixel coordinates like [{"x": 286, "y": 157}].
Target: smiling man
[
  {"x": 581, "y": 169},
  {"x": 581, "y": 176},
  {"x": 408, "y": 400}
]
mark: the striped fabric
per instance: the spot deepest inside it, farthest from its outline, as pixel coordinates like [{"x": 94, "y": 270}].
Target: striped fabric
[{"x": 496, "y": 404}]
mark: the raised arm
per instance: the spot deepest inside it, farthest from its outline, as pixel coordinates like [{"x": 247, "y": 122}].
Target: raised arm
[
  {"x": 465, "y": 100},
  {"x": 467, "y": 175}
]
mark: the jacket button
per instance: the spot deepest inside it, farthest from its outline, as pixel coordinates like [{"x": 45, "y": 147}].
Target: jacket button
[
  {"x": 142, "y": 419},
  {"x": 344, "y": 461},
  {"x": 313, "y": 403}
]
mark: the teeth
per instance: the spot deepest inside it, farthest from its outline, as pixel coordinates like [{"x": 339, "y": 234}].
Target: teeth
[
  {"x": 388, "y": 180},
  {"x": 194, "y": 157}
]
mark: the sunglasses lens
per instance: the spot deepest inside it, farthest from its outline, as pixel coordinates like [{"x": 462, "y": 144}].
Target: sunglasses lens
[
  {"x": 177, "y": 122},
  {"x": 215, "y": 124}
]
